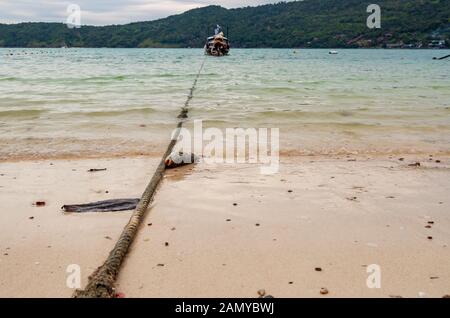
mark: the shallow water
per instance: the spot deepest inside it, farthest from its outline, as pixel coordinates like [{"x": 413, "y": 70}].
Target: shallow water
[{"x": 89, "y": 102}]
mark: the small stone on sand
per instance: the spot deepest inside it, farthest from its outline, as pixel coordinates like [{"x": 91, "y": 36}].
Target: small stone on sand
[{"x": 324, "y": 291}]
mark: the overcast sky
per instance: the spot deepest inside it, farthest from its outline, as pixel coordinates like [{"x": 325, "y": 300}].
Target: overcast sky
[{"x": 101, "y": 12}]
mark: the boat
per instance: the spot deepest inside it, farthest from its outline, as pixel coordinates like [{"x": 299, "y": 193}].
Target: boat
[
  {"x": 218, "y": 44},
  {"x": 333, "y": 52}
]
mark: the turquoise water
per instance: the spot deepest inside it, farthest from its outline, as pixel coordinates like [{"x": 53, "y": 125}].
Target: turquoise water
[{"x": 88, "y": 102}]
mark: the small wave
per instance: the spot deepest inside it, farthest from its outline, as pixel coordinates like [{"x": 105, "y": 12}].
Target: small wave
[
  {"x": 278, "y": 90},
  {"x": 298, "y": 113},
  {"x": 9, "y": 79},
  {"x": 168, "y": 75},
  {"x": 107, "y": 113},
  {"x": 22, "y": 112},
  {"x": 104, "y": 78}
]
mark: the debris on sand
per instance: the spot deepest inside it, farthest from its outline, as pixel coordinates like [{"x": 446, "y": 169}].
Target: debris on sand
[
  {"x": 430, "y": 238},
  {"x": 103, "y": 206},
  {"x": 179, "y": 159},
  {"x": 417, "y": 164},
  {"x": 318, "y": 269},
  {"x": 324, "y": 291},
  {"x": 97, "y": 170},
  {"x": 39, "y": 203},
  {"x": 261, "y": 292}
]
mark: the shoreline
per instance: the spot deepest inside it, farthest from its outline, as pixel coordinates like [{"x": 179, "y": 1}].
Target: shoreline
[{"x": 424, "y": 156}]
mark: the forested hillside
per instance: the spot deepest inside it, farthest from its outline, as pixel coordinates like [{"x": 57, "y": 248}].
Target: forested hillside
[{"x": 309, "y": 23}]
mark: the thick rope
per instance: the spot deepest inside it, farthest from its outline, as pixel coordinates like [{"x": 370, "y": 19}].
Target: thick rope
[{"x": 101, "y": 282}]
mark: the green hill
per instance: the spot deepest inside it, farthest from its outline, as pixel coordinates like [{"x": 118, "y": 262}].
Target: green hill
[{"x": 309, "y": 23}]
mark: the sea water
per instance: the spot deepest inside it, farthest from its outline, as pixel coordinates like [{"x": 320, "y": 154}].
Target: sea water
[{"x": 107, "y": 102}]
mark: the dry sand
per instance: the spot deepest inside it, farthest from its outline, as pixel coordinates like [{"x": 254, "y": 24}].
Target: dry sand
[
  {"x": 35, "y": 253},
  {"x": 232, "y": 231}
]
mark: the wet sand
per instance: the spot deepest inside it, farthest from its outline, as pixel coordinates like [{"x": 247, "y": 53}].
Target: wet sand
[{"x": 228, "y": 231}]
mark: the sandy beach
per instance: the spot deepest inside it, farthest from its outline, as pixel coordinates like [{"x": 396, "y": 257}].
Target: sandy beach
[
  {"x": 319, "y": 132},
  {"x": 228, "y": 231}
]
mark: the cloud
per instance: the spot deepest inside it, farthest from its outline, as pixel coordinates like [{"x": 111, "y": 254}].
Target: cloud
[{"x": 103, "y": 12}]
